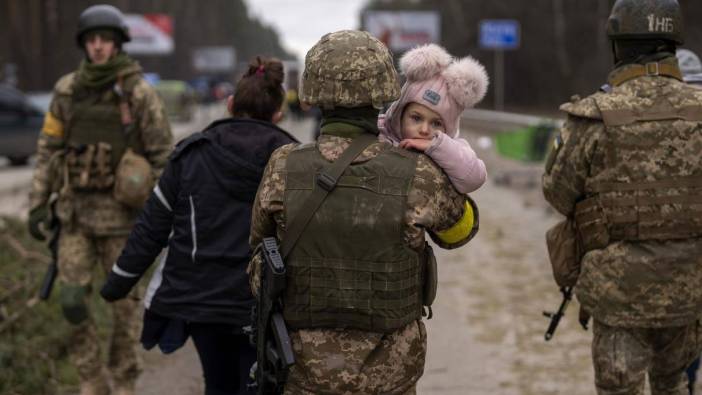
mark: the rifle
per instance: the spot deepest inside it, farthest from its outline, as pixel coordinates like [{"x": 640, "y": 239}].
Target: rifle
[
  {"x": 556, "y": 317},
  {"x": 273, "y": 346},
  {"x": 52, "y": 271}
]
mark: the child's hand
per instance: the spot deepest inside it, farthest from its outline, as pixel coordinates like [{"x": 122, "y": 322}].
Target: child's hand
[{"x": 418, "y": 144}]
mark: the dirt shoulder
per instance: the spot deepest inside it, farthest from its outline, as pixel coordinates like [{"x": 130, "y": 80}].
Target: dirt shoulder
[{"x": 487, "y": 334}]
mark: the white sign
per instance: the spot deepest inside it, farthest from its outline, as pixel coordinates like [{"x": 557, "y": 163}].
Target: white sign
[
  {"x": 214, "y": 59},
  {"x": 403, "y": 30},
  {"x": 152, "y": 34}
]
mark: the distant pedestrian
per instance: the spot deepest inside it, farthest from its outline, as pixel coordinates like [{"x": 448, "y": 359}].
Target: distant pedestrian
[
  {"x": 690, "y": 66},
  {"x": 201, "y": 211},
  {"x": 691, "y": 69}
]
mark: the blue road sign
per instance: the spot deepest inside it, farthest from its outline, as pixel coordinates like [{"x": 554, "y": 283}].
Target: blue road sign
[{"x": 499, "y": 34}]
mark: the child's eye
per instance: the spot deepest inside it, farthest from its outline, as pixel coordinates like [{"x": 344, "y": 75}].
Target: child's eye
[
  {"x": 415, "y": 118},
  {"x": 437, "y": 124}
]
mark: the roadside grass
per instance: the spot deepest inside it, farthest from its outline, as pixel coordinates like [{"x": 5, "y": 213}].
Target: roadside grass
[{"x": 33, "y": 333}]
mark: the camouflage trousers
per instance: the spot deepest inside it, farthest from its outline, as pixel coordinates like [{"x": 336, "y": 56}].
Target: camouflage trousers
[
  {"x": 354, "y": 362},
  {"x": 78, "y": 254},
  {"x": 297, "y": 391},
  {"x": 623, "y": 356}
]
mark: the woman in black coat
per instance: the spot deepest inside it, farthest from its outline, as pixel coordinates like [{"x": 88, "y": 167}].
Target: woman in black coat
[{"x": 200, "y": 211}]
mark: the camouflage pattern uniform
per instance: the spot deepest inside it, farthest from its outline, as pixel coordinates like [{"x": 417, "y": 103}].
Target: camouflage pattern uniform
[
  {"x": 95, "y": 227},
  {"x": 644, "y": 292},
  {"x": 344, "y": 361}
]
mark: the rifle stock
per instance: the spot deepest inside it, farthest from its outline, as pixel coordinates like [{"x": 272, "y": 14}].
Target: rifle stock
[
  {"x": 556, "y": 317},
  {"x": 47, "y": 283}
]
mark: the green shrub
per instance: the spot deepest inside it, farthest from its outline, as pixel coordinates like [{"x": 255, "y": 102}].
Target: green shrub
[{"x": 33, "y": 358}]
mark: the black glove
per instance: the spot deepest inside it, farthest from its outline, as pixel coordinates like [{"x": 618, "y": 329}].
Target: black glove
[
  {"x": 583, "y": 317},
  {"x": 117, "y": 287},
  {"x": 38, "y": 216}
]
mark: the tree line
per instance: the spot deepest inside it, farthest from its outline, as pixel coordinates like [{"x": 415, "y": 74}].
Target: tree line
[
  {"x": 38, "y": 36},
  {"x": 564, "y": 49}
]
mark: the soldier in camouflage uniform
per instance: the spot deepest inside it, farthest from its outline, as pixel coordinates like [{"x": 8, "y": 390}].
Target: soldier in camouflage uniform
[
  {"x": 353, "y": 300},
  {"x": 627, "y": 168},
  {"x": 101, "y": 113}
]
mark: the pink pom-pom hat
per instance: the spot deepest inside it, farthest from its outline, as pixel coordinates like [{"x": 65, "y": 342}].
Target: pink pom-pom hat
[{"x": 438, "y": 81}]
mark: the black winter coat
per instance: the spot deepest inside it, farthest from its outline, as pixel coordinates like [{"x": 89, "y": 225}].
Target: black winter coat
[{"x": 201, "y": 211}]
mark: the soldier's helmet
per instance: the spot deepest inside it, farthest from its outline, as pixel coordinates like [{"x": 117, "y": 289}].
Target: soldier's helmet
[
  {"x": 689, "y": 62},
  {"x": 102, "y": 16},
  {"x": 349, "y": 68},
  {"x": 690, "y": 66},
  {"x": 646, "y": 20}
]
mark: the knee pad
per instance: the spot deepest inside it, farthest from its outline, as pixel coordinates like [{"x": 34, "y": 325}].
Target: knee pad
[{"x": 73, "y": 303}]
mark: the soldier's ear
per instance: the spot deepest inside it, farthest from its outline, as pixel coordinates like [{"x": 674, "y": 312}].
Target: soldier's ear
[{"x": 230, "y": 104}]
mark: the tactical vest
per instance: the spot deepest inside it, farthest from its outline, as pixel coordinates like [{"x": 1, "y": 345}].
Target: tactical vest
[
  {"x": 97, "y": 137},
  {"x": 647, "y": 173},
  {"x": 351, "y": 267}
]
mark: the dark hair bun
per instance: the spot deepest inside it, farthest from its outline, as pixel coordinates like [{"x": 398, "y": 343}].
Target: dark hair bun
[
  {"x": 271, "y": 69},
  {"x": 259, "y": 93}
]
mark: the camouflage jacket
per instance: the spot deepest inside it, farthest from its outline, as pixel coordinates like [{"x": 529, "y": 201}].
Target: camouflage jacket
[
  {"x": 630, "y": 283},
  {"x": 352, "y": 361},
  {"x": 97, "y": 213}
]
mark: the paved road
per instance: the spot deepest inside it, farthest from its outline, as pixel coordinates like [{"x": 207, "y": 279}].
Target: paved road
[{"x": 486, "y": 336}]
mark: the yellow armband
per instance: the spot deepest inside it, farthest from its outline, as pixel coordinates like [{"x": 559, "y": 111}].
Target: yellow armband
[
  {"x": 465, "y": 228},
  {"x": 52, "y": 126}
]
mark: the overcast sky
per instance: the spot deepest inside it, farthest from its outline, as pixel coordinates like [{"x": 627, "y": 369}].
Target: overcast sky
[{"x": 300, "y": 23}]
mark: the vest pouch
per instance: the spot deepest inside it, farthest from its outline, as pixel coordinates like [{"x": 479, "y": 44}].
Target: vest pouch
[
  {"x": 591, "y": 224},
  {"x": 133, "y": 180},
  {"x": 101, "y": 172},
  {"x": 431, "y": 278},
  {"x": 89, "y": 167},
  {"x": 565, "y": 252}
]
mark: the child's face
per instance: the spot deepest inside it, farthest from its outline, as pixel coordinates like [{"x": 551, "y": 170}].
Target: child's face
[{"x": 420, "y": 122}]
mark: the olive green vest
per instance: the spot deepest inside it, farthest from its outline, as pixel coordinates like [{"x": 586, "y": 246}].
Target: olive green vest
[
  {"x": 351, "y": 267},
  {"x": 97, "y": 138},
  {"x": 647, "y": 172}
]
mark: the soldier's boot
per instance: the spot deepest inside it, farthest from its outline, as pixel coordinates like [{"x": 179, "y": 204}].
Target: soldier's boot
[{"x": 94, "y": 387}]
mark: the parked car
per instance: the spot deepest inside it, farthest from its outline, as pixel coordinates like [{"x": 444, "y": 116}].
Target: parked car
[
  {"x": 179, "y": 99},
  {"x": 20, "y": 123}
]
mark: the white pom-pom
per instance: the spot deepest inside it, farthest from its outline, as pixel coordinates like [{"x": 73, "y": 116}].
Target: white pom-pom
[
  {"x": 467, "y": 81},
  {"x": 424, "y": 62}
]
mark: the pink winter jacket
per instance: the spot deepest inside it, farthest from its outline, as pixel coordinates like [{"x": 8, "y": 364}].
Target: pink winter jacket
[{"x": 454, "y": 155}]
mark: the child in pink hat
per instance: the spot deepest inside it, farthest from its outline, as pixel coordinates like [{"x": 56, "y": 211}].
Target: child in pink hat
[{"x": 426, "y": 116}]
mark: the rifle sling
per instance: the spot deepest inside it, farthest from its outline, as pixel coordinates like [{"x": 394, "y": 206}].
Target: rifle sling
[{"x": 326, "y": 181}]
